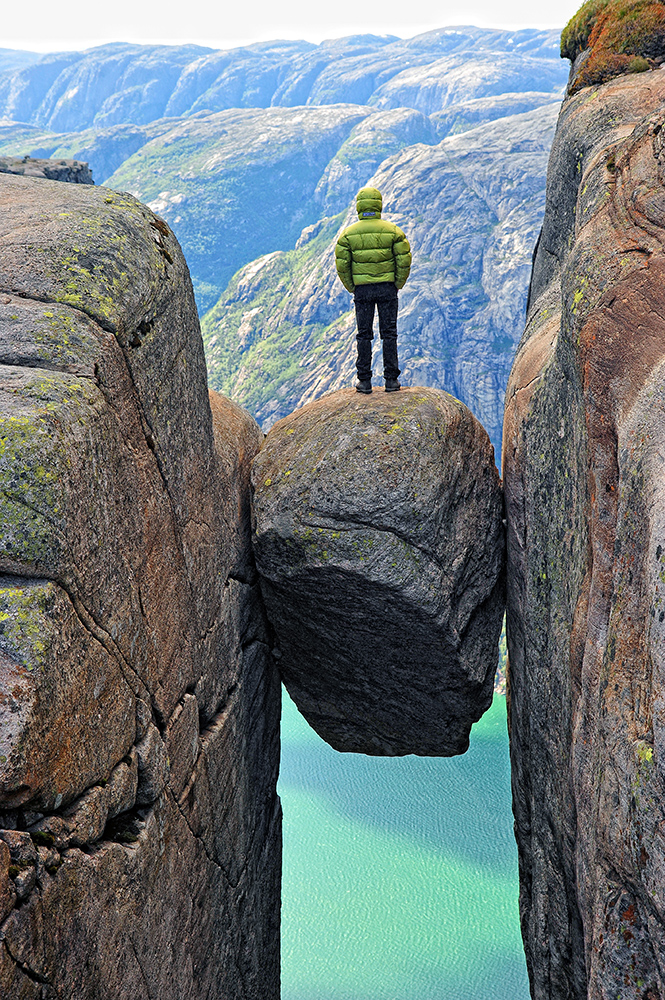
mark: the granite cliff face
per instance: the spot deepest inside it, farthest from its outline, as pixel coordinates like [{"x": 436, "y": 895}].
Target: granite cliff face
[
  {"x": 379, "y": 542},
  {"x": 583, "y": 447},
  {"x": 139, "y": 825}
]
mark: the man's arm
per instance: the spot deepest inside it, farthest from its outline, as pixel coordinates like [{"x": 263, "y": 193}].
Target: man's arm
[
  {"x": 343, "y": 262},
  {"x": 402, "y": 255}
]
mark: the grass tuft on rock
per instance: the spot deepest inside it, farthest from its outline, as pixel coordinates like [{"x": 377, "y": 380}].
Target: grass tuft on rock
[
  {"x": 575, "y": 36},
  {"x": 620, "y": 36}
]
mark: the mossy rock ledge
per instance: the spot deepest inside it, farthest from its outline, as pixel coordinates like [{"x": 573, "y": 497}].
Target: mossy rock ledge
[
  {"x": 608, "y": 38},
  {"x": 379, "y": 543}
]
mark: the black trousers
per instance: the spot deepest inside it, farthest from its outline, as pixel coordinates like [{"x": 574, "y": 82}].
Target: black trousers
[{"x": 383, "y": 295}]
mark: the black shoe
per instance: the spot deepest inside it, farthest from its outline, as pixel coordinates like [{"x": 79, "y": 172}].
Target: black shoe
[
  {"x": 392, "y": 385},
  {"x": 364, "y": 385}
]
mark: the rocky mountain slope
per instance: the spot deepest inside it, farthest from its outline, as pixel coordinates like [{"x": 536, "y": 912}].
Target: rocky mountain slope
[
  {"x": 16, "y": 59},
  {"x": 583, "y": 447},
  {"x": 238, "y": 184},
  {"x": 241, "y": 151},
  {"x": 283, "y": 332},
  {"x": 202, "y": 162}
]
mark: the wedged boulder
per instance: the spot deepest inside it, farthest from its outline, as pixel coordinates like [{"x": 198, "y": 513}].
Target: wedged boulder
[
  {"x": 379, "y": 543},
  {"x": 139, "y": 707}
]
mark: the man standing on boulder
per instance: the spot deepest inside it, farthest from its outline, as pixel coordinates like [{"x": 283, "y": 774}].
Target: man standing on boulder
[{"x": 373, "y": 260}]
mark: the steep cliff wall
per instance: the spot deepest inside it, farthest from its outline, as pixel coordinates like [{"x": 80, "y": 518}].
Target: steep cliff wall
[
  {"x": 584, "y": 481},
  {"x": 139, "y": 825}
]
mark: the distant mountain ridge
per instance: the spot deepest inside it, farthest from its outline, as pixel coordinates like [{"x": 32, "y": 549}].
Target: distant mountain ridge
[
  {"x": 259, "y": 151},
  {"x": 120, "y": 83},
  {"x": 13, "y": 59}
]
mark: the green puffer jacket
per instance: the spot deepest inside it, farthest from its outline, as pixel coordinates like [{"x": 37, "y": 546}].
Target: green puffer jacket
[{"x": 372, "y": 250}]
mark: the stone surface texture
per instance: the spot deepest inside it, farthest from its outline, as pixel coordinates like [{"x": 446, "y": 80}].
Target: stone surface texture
[
  {"x": 139, "y": 709},
  {"x": 584, "y": 481},
  {"x": 379, "y": 543}
]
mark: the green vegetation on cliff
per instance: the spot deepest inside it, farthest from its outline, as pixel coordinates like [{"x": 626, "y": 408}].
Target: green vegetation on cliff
[
  {"x": 252, "y": 338},
  {"x": 622, "y": 36},
  {"x": 575, "y": 36}
]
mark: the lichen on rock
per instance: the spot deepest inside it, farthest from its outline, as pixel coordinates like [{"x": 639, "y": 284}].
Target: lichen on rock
[{"x": 380, "y": 547}]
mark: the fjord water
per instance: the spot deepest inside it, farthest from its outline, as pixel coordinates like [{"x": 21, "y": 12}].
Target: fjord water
[{"x": 400, "y": 874}]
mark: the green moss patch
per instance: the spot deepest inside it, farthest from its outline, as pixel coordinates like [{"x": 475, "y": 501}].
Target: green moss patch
[
  {"x": 575, "y": 36},
  {"x": 23, "y": 633}
]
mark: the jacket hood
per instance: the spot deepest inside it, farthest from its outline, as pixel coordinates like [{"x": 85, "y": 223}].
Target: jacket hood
[{"x": 369, "y": 203}]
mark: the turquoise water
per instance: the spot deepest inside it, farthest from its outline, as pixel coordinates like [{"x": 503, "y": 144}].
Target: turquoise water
[{"x": 400, "y": 874}]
